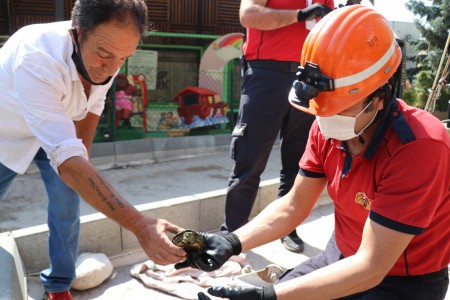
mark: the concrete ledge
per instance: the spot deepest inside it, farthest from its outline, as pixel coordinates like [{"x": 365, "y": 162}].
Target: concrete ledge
[
  {"x": 115, "y": 154},
  {"x": 202, "y": 212},
  {"x": 156, "y": 149},
  {"x": 12, "y": 277},
  {"x": 134, "y": 150}
]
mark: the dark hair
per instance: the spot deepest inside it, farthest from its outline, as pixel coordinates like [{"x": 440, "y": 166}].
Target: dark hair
[
  {"x": 88, "y": 14},
  {"x": 381, "y": 92}
]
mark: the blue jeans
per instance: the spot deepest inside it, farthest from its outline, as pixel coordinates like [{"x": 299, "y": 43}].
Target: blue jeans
[{"x": 63, "y": 222}]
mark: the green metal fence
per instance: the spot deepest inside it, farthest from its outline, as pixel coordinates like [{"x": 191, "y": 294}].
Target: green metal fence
[
  {"x": 3, "y": 39},
  {"x": 169, "y": 62}
]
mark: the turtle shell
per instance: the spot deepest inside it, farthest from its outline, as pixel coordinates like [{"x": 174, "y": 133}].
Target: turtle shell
[{"x": 189, "y": 240}]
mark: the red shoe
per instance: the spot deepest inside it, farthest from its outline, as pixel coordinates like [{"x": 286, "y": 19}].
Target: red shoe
[{"x": 58, "y": 296}]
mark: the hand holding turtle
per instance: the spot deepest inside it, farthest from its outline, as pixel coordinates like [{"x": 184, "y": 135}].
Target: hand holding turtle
[
  {"x": 216, "y": 251},
  {"x": 152, "y": 235}
]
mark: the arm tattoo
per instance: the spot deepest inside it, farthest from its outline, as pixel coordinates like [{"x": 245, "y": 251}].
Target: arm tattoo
[{"x": 104, "y": 197}]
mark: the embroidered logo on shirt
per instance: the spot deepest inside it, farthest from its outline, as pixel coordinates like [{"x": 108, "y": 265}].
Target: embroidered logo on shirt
[{"x": 361, "y": 198}]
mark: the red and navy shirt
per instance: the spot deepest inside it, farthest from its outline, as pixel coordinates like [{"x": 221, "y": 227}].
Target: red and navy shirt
[
  {"x": 400, "y": 181},
  {"x": 282, "y": 44}
]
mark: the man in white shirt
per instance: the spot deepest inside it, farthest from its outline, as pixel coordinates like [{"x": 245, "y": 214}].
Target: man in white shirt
[{"x": 54, "y": 79}]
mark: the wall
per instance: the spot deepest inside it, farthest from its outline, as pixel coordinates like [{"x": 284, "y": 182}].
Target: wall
[
  {"x": 403, "y": 30},
  {"x": 189, "y": 16}
]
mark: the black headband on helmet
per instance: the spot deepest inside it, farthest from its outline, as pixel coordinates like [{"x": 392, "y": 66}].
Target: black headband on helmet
[{"x": 310, "y": 81}]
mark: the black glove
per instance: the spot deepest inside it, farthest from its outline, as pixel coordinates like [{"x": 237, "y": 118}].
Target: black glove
[
  {"x": 352, "y": 2},
  {"x": 218, "y": 249},
  {"x": 240, "y": 293},
  {"x": 313, "y": 11}
]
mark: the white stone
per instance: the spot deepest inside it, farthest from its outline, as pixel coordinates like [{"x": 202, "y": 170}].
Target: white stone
[{"x": 91, "y": 270}]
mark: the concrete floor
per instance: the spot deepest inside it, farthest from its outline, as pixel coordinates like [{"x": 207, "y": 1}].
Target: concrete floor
[{"x": 315, "y": 231}]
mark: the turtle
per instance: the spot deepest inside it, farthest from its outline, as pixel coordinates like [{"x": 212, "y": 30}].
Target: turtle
[{"x": 189, "y": 240}]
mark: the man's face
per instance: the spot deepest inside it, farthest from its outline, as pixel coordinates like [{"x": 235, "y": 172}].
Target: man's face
[{"x": 106, "y": 48}]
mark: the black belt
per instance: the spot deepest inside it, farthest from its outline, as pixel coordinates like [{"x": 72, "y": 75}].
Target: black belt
[
  {"x": 282, "y": 66},
  {"x": 432, "y": 277}
]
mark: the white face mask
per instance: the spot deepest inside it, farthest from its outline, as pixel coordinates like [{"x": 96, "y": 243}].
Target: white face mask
[{"x": 341, "y": 127}]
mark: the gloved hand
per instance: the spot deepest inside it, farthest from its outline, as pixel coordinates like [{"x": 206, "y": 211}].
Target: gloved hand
[
  {"x": 313, "y": 11},
  {"x": 352, "y": 2},
  {"x": 218, "y": 249},
  {"x": 240, "y": 293}
]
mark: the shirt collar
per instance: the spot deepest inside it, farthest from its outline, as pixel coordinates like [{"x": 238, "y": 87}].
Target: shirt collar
[{"x": 394, "y": 118}]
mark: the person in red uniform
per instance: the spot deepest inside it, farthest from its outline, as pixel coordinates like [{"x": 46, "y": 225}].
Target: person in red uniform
[
  {"x": 275, "y": 32},
  {"x": 386, "y": 166}
]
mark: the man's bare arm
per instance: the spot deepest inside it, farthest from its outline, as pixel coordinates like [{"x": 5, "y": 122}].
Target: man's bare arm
[
  {"x": 380, "y": 249},
  {"x": 86, "y": 129},
  {"x": 92, "y": 186},
  {"x": 282, "y": 215},
  {"x": 255, "y": 14}
]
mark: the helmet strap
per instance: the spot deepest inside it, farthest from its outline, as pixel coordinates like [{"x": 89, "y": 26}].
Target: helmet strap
[{"x": 389, "y": 89}]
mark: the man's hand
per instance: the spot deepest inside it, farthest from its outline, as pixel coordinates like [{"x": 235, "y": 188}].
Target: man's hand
[
  {"x": 240, "y": 293},
  {"x": 151, "y": 234},
  {"x": 313, "y": 11},
  {"x": 218, "y": 249}
]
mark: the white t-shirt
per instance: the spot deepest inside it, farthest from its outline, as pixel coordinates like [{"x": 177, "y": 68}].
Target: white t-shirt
[{"x": 41, "y": 95}]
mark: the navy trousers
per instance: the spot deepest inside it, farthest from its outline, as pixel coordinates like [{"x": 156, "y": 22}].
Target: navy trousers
[{"x": 264, "y": 112}]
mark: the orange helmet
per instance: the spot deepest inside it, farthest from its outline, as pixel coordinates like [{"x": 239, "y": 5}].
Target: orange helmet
[{"x": 348, "y": 55}]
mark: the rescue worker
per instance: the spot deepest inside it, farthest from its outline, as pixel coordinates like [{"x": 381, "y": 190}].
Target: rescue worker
[{"x": 386, "y": 166}]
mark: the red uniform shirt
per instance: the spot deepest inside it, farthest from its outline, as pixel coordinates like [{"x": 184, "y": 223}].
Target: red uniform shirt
[
  {"x": 402, "y": 186},
  {"x": 282, "y": 44}
]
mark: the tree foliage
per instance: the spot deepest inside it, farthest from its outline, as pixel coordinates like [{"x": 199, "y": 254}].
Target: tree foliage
[
  {"x": 432, "y": 18},
  {"x": 433, "y": 21}
]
